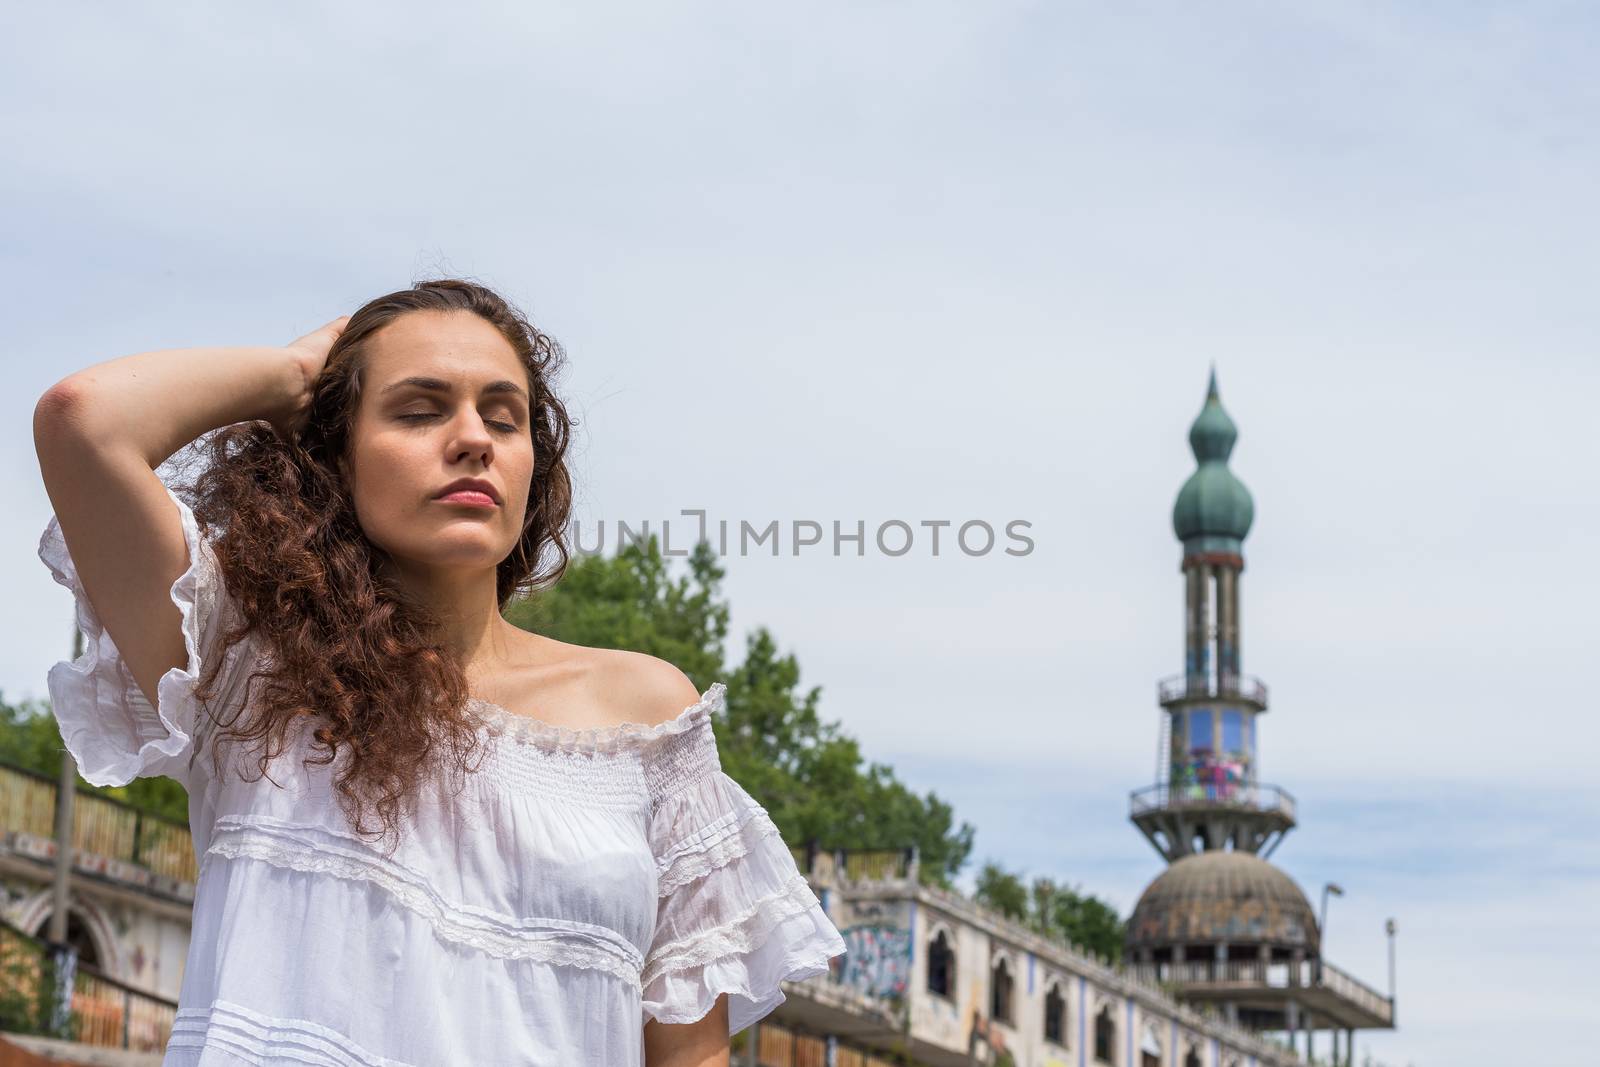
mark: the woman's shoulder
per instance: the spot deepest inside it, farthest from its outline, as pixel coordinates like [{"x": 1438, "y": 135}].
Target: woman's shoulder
[
  {"x": 643, "y": 688},
  {"x": 626, "y": 702},
  {"x": 598, "y": 688}
]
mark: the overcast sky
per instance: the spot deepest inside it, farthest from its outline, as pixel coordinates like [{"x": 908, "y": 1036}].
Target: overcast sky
[{"x": 865, "y": 263}]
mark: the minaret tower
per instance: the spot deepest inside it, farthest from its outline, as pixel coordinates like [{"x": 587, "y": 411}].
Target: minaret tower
[
  {"x": 1207, "y": 795},
  {"x": 1221, "y": 925}
]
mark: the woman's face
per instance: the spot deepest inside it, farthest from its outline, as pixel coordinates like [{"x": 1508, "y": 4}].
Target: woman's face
[{"x": 443, "y": 397}]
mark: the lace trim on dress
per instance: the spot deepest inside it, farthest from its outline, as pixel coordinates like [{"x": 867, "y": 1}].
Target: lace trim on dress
[
  {"x": 715, "y": 846},
  {"x": 557, "y": 941},
  {"x": 738, "y": 936},
  {"x": 523, "y": 729},
  {"x": 267, "y": 1038}
]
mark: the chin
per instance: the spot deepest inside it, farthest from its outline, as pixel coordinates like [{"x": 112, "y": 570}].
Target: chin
[{"x": 458, "y": 547}]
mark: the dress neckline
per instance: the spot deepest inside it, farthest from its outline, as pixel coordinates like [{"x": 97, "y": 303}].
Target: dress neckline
[{"x": 525, "y": 729}]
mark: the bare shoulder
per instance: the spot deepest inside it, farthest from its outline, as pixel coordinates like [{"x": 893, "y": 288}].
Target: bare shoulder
[
  {"x": 644, "y": 688},
  {"x": 582, "y": 686}
]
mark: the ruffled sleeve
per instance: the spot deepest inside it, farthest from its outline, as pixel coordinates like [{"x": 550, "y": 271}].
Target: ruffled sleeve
[
  {"x": 734, "y": 914},
  {"x": 106, "y": 721}
]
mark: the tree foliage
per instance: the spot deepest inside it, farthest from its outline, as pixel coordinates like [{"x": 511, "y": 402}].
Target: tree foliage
[
  {"x": 1053, "y": 910},
  {"x": 773, "y": 740}
]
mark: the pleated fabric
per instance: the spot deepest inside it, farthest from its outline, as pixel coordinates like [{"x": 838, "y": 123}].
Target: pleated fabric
[{"x": 579, "y": 884}]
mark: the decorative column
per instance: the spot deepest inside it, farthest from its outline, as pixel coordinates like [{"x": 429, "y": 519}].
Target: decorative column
[
  {"x": 1227, "y": 622},
  {"x": 1198, "y": 623}
]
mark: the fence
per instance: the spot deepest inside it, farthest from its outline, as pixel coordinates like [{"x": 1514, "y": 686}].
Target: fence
[
  {"x": 101, "y": 826},
  {"x": 104, "y": 1012},
  {"x": 779, "y": 1046}
]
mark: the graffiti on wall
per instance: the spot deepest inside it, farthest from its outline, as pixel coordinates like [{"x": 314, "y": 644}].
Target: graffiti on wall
[
  {"x": 878, "y": 960},
  {"x": 1214, "y": 762}
]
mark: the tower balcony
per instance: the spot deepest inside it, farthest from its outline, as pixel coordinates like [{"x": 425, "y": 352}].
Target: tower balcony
[
  {"x": 1262, "y": 989},
  {"x": 1179, "y": 820},
  {"x": 1244, "y": 688},
  {"x": 1255, "y": 797}
]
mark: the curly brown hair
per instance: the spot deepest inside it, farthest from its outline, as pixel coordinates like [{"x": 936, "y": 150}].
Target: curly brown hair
[{"x": 346, "y": 642}]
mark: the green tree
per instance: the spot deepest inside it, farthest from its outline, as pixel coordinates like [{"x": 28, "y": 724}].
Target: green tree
[
  {"x": 806, "y": 772},
  {"x": 630, "y": 600},
  {"x": 1088, "y": 921},
  {"x": 1003, "y": 891},
  {"x": 809, "y": 774},
  {"x": 1052, "y": 909}
]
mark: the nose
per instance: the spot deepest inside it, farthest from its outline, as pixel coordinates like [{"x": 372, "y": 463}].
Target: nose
[{"x": 472, "y": 436}]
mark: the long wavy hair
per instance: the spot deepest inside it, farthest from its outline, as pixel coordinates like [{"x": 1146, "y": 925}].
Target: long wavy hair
[{"x": 346, "y": 643}]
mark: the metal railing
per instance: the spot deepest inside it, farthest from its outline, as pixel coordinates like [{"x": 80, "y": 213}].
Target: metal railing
[
  {"x": 1356, "y": 991},
  {"x": 1223, "y": 687},
  {"x": 1249, "y": 796},
  {"x": 101, "y": 826},
  {"x": 857, "y": 864},
  {"x": 1275, "y": 975},
  {"x": 104, "y": 1012}
]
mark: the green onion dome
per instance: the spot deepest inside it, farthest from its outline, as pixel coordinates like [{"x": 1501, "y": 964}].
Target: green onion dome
[{"x": 1214, "y": 509}]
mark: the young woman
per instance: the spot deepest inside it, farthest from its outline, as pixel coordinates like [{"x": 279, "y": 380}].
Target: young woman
[{"x": 562, "y": 873}]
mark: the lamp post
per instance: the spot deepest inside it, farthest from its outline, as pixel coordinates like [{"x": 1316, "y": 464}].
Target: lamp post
[
  {"x": 1389, "y": 928},
  {"x": 1322, "y": 921}
]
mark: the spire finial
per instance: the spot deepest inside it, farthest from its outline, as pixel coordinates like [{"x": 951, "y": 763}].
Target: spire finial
[
  {"x": 1214, "y": 509},
  {"x": 1213, "y": 432}
]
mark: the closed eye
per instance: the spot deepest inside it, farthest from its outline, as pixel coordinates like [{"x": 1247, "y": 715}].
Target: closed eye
[{"x": 503, "y": 427}]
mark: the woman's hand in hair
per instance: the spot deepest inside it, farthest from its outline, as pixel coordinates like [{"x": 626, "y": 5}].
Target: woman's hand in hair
[{"x": 311, "y": 354}]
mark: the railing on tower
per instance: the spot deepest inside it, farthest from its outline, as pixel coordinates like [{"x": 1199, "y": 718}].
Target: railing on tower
[
  {"x": 1250, "y": 796},
  {"x": 1355, "y": 990},
  {"x": 1275, "y": 974},
  {"x": 1223, "y": 687}
]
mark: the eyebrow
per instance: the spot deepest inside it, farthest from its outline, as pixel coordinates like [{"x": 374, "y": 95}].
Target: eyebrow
[{"x": 439, "y": 385}]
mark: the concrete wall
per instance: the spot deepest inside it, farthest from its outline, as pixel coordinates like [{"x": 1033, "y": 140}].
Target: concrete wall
[{"x": 947, "y": 1022}]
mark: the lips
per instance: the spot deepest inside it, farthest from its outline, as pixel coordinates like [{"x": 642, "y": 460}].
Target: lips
[{"x": 469, "y": 485}]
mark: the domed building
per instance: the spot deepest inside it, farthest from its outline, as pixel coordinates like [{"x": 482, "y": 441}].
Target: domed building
[
  {"x": 1235, "y": 899},
  {"x": 1222, "y": 925}
]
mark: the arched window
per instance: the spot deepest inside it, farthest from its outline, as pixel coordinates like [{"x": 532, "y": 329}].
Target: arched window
[
  {"x": 78, "y": 936},
  {"x": 1192, "y": 1059},
  {"x": 1150, "y": 1047},
  {"x": 941, "y": 966},
  {"x": 1055, "y": 1015},
  {"x": 1000, "y": 992},
  {"x": 1105, "y": 1036}
]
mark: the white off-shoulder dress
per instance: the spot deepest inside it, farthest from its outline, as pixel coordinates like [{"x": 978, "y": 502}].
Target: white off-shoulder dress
[{"x": 581, "y": 883}]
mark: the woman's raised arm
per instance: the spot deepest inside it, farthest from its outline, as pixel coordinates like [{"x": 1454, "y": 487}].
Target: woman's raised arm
[{"x": 101, "y": 432}]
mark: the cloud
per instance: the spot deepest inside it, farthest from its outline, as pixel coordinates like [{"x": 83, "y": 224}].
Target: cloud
[{"x": 957, "y": 261}]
